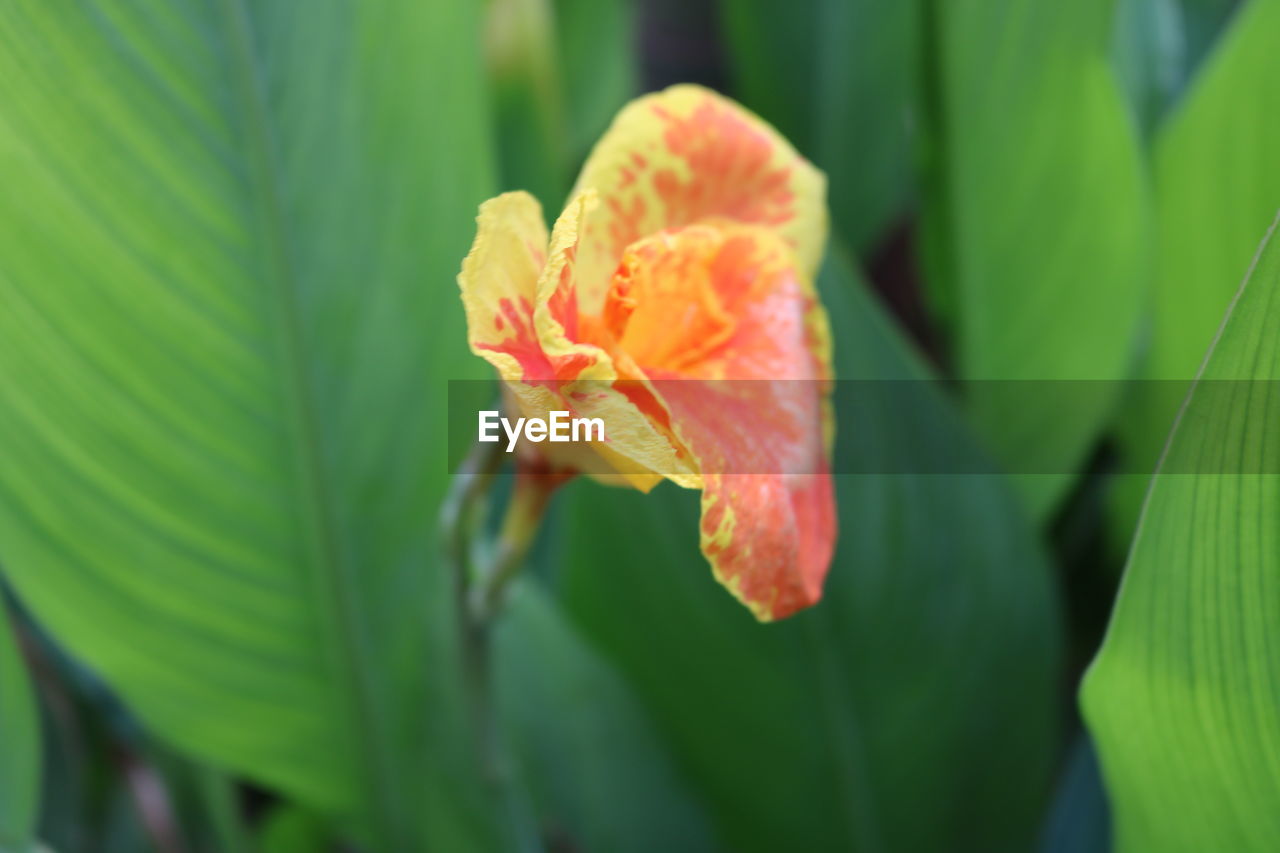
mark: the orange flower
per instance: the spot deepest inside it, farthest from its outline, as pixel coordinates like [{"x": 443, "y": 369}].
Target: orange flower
[{"x": 687, "y": 253}]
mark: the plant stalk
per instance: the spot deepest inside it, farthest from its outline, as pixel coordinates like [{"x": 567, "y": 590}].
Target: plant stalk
[{"x": 482, "y": 572}]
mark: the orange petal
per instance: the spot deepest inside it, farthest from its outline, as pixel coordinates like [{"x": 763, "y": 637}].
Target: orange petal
[
  {"x": 769, "y": 538},
  {"x": 768, "y": 508},
  {"x": 717, "y": 302},
  {"x": 736, "y": 344},
  {"x": 687, "y": 155}
]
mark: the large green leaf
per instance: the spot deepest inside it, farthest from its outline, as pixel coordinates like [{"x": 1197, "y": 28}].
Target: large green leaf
[
  {"x": 913, "y": 709},
  {"x": 600, "y": 779},
  {"x": 227, "y": 243},
  {"x": 1216, "y": 189},
  {"x": 1182, "y": 697},
  {"x": 19, "y": 747},
  {"x": 837, "y": 77},
  {"x": 1036, "y": 217}
]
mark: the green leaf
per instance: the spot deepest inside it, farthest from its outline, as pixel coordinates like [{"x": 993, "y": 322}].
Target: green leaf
[
  {"x": 1208, "y": 221},
  {"x": 227, "y": 243},
  {"x": 1036, "y": 221},
  {"x": 597, "y": 45},
  {"x": 600, "y": 776},
  {"x": 289, "y": 829},
  {"x": 1149, "y": 47},
  {"x": 836, "y": 77},
  {"x": 19, "y": 747},
  {"x": 530, "y": 128},
  {"x": 1203, "y": 23},
  {"x": 559, "y": 70},
  {"x": 1181, "y": 699},
  {"x": 923, "y": 684}
]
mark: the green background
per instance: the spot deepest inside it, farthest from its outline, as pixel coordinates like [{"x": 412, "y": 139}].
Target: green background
[{"x": 229, "y": 232}]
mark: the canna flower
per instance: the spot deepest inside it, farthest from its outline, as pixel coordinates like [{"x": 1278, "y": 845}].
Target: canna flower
[{"x": 683, "y": 263}]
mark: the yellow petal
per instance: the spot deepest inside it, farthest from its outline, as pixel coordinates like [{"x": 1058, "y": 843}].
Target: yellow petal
[
  {"x": 522, "y": 317},
  {"x": 499, "y": 282},
  {"x": 636, "y": 447},
  {"x": 687, "y": 155}
]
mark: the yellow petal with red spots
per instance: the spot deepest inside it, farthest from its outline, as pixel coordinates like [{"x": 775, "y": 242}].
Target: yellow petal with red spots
[
  {"x": 735, "y": 344},
  {"x": 687, "y": 155},
  {"x": 499, "y": 282},
  {"x": 518, "y": 296}
]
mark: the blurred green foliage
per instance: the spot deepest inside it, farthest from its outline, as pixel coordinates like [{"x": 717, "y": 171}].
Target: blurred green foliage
[
  {"x": 1214, "y": 193},
  {"x": 227, "y": 317},
  {"x": 823, "y": 73},
  {"x": 1036, "y": 220},
  {"x": 20, "y": 735},
  {"x": 810, "y": 733}
]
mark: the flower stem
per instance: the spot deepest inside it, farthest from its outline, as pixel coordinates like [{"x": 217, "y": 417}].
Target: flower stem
[
  {"x": 461, "y": 517},
  {"x": 519, "y": 529},
  {"x": 482, "y": 571}
]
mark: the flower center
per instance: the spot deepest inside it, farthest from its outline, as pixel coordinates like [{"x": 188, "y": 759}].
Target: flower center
[{"x": 670, "y": 304}]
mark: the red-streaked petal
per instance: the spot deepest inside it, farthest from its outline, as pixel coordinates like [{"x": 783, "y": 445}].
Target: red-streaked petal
[
  {"x": 520, "y": 313},
  {"x": 768, "y": 508},
  {"x": 638, "y": 445},
  {"x": 688, "y": 155},
  {"x": 717, "y": 302},
  {"x": 735, "y": 344},
  {"x": 557, "y": 320},
  {"x": 499, "y": 282},
  {"x": 769, "y": 539}
]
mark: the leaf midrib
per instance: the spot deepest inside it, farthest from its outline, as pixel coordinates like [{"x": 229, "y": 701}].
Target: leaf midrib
[{"x": 333, "y": 575}]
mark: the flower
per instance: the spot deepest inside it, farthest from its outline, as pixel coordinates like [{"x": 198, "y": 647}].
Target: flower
[{"x": 681, "y": 268}]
